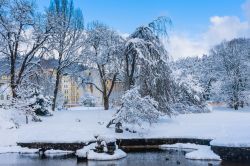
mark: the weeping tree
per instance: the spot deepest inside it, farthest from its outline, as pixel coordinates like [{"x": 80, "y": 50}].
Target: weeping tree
[
  {"x": 67, "y": 37},
  {"x": 148, "y": 76},
  {"x": 146, "y": 62},
  {"x": 137, "y": 43}
]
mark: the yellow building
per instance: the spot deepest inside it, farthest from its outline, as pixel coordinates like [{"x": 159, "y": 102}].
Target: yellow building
[{"x": 71, "y": 91}]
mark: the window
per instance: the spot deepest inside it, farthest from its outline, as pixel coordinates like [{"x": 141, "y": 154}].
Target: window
[
  {"x": 2, "y": 97},
  {"x": 8, "y": 97},
  {"x": 91, "y": 88}
]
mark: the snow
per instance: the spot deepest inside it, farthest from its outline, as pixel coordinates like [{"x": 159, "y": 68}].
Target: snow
[
  {"x": 5, "y": 122},
  {"x": 17, "y": 149},
  {"x": 179, "y": 146},
  {"x": 200, "y": 152},
  {"x": 118, "y": 154},
  {"x": 81, "y": 124},
  {"x": 87, "y": 152},
  {"x": 106, "y": 139},
  {"x": 53, "y": 152},
  {"x": 82, "y": 153},
  {"x": 235, "y": 141}
]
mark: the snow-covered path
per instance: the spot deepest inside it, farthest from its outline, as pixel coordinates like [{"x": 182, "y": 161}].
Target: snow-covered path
[{"x": 81, "y": 124}]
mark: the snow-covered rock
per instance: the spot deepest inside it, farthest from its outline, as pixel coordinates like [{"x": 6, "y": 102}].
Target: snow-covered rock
[
  {"x": 82, "y": 153},
  {"x": 53, "y": 152},
  {"x": 104, "y": 156},
  {"x": 106, "y": 139},
  {"x": 180, "y": 146},
  {"x": 17, "y": 149},
  {"x": 88, "y": 152},
  {"x": 200, "y": 152},
  {"x": 203, "y": 153}
]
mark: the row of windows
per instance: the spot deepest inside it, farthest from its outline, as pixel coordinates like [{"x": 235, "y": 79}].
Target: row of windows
[{"x": 7, "y": 97}]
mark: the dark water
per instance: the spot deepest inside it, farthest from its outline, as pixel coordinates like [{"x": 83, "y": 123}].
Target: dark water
[{"x": 159, "y": 158}]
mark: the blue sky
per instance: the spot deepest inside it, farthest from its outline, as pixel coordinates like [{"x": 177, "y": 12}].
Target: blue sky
[
  {"x": 194, "y": 21},
  {"x": 126, "y": 15}
]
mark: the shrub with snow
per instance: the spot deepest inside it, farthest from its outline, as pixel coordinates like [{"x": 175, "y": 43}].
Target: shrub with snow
[
  {"x": 41, "y": 104},
  {"x": 88, "y": 100},
  {"x": 137, "y": 110},
  {"x": 29, "y": 104}
]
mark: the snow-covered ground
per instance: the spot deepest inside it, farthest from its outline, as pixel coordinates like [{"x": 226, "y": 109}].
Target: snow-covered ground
[{"x": 81, "y": 124}]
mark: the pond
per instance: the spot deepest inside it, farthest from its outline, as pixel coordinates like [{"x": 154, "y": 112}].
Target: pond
[{"x": 155, "y": 158}]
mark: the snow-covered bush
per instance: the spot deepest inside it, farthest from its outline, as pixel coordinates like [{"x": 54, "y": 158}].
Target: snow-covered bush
[
  {"x": 136, "y": 110},
  {"x": 23, "y": 107},
  {"x": 32, "y": 100},
  {"x": 40, "y": 104},
  {"x": 88, "y": 100},
  {"x": 28, "y": 105}
]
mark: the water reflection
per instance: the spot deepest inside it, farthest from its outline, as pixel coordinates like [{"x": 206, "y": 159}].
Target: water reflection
[{"x": 159, "y": 158}]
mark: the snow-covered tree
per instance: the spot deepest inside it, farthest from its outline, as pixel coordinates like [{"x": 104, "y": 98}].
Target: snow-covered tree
[
  {"x": 223, "y": 74},
  {"x": 40, "y": 104},
  {"x": 188, "y": 94},
  {"x": 67, "y": 36},
  {"x": 104, "y": 53},
  {"x": 148, "y": 76},
  {"x": 147, "y": 65},
  {"x": 232, "y": 61},
  {"x": 23, "y": 34}
]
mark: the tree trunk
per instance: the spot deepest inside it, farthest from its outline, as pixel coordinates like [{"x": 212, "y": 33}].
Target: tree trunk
[
  {"x": 13, "y": 91},
  {"x": 12, "y": 78},
  {"x": 236, "y": 106},
  {"x": 106, "y": 102},
  {"x": 56, "y": 90}
]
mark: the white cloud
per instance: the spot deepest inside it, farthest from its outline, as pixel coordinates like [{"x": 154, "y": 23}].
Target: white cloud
[
  {"x": 220, "y": 28},
  {"x": 225, "y": 28},
  {"x": 180, "y": 46}
]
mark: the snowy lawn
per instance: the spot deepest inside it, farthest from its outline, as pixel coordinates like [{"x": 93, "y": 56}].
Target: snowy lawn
[{"x": 81, "y": 124}]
